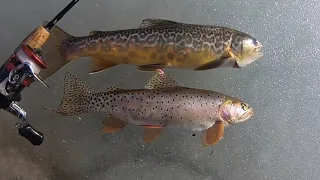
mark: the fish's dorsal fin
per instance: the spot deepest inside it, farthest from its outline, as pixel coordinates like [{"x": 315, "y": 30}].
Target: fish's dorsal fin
[
  {"x": 113, "y": 88},
  {"x": 156, "y": 23},
  {"x": 161, "y": 80}
]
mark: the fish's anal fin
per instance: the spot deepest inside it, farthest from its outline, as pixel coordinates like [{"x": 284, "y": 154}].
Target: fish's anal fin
[
  {"x": 224, "y": 62},
  {"x": 151, "y": 133},
  {"x": 98, "y": 65},
  {"x": 151, "y": 126},
  {"x": 213, "y": 135},
  {"x": 161, "y": 80},
  {"x": 150, "y": 67},
  {"x": 156, "y": 23},
  {"x": 112, "y": 124}
]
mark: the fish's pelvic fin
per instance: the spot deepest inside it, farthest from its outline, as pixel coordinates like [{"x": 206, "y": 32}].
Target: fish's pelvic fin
[
  {"x": 161, "y": 80},
  {"x": 224, "y": 62},
  {"x": 112, "y": 124},
  {"x": 156, "y": 23},
  {"x": 213, "y": 135},
  {"x": 76, "y": 97},
  {"x": 98, "y": 65},
  {"x": 51, "y": 52},
  {"x": 151, "y": 133},
  {"x": 151, "y": 126},
  {"x": 150, "y": 67}
]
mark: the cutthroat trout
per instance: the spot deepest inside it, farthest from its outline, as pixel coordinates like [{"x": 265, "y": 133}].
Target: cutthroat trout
[
  {"x": 156, "y": 44},
  {"x": 163, "y": 103}
]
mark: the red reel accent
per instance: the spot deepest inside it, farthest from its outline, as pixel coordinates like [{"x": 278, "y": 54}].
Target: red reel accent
[
  {"x": 26, "y": 83},
  {"x": 33, "y": 56},
  {"x": 10, "y": 66}
]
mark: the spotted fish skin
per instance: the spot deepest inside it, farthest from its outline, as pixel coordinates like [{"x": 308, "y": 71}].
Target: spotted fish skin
[
  {"x": 180, "y": 107},
  {"x": 177, "y": 107},
  {"x": 185, "y": 45},
  {"x": 163, "y": 103},
  {"x": 156, "y": 44}
]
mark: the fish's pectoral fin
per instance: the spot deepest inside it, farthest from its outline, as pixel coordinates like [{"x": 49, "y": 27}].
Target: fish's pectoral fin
[
  {"x": 224, "y": 62},
  {"x": 156, "y": 23},
  {"x": 213, "y": 135},
  {"x": 112, "y": 124},
  {"x": 161, "y": 80},
  {"x": 150, "y": 67},
  {"x": 151, "y": 132},
  {"x": 99, "y": 65}
]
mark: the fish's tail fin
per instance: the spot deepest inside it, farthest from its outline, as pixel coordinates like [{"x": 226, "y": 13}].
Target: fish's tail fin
[
  {"x": 77, "y": 97},
  {"x": 52, "y": 52}
]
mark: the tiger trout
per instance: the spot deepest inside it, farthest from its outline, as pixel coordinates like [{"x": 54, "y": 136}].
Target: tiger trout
[
  {"x": 155, "y": 44},
  {"x": 161, "y": 104}
]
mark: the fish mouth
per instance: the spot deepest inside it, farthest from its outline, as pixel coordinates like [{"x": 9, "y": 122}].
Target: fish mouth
[
  {"x": 259, "y": 53},
  {"x": 259, "y": 49},
  {"x": 248, "y": 114}
]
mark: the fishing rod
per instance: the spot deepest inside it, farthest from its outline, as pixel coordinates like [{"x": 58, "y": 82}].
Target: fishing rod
[{"x": 21, "y": 70}]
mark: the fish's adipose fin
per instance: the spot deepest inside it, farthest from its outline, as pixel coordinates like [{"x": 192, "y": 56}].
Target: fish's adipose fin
[
  {"x": 98, "y": 65},
  {"x": 76, "y": 97},
  {"x": 112, "y": 124},
  {"x": 113, "y": 88},
  {"x": 150, "y": 67},
  {"x": 224, "y": 62},
  {"x": 91, "y": 33},
  {"x": 151, "y": 133},
  {"x": 213, "y": 135},
  {"x": 51, "y": 52},
  {"x": 156, "y": 23},
  {"x": 161, "y": 80}
]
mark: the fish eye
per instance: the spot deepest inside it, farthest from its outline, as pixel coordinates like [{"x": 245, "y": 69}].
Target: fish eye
[
  {"x": 255, "y": 42},
  {"x": 251, "y": 41},
  {"x": 244, "y": 106}
]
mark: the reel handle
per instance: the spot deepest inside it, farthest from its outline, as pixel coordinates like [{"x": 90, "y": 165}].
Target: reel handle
[
  {"x": 24, "y": 128},
  {"x": 31, "y": 134}
]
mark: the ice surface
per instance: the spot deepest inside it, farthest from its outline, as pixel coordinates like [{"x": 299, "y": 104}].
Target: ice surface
[{"x": 280, "y": 142}]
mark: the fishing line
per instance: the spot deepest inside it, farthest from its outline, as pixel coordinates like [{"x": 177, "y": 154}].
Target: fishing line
[
  {"x": 60, "y": 15},
  {"x": 211, "y": 152}
]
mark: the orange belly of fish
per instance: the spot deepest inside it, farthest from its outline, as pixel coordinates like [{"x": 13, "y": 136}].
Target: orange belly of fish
[{"x": 138, "y": 55}]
